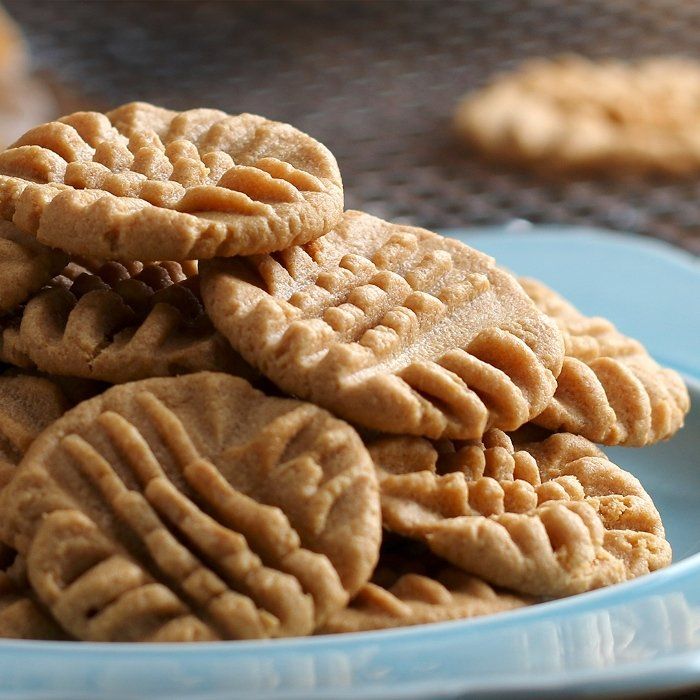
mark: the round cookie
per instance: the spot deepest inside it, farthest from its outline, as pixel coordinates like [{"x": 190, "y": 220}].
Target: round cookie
[
  {"x": 413, "y": 588},
  {"x": 549, "y": 518},
  {"x": 609, "y": 390},
  {"x": 117, "y": 324},
  {"x": 392, "y": 327},
  {"x": 146, "y": 183},
  {"x": 25, "y": 266},
  {"x": 573, "y": 114},
  {"x": 193, "y": 508}
]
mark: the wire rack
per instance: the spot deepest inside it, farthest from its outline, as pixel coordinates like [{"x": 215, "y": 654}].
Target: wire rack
[{"x": 377, "y": 82}]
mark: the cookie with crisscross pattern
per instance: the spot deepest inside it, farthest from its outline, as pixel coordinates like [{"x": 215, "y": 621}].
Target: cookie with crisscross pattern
[
  {"x": 549, "y": 518},
  {"x": 119, "y": 323},
  {"x": 194, "y": 508},
  {"x": 146, "y": 183},
  {"x": 410, "y": 586},
  {"x": 392, "y": 327}
]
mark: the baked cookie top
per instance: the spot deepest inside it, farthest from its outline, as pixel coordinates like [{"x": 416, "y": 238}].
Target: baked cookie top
[
  {"x": 146, "y": 183},
  {"x": 573, "y": 113},
  {"x": 548, "y": 518},
  {"x": 25, "y": 266},
  {"x": 194, "y": 508},
  {"x": 610, "y": 390},
  {"x": 118, "y": 323},
  {"x": 393, "y": 327}
]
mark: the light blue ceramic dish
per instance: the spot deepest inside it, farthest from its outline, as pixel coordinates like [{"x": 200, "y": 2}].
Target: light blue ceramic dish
[{"x": 642, "y": 636}]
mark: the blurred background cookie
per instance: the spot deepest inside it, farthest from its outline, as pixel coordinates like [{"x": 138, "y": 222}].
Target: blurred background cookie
[
  {"x": 14, "y": 55},
  {"x": 24, "y": 99},
  {"x": 571, "y": 113}
]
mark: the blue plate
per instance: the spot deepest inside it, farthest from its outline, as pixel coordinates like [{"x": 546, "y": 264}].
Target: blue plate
[{"x": 641, "y": 636}]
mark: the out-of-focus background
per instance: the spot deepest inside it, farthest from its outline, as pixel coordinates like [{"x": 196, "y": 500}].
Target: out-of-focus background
[{"x": 377, "y": 82}]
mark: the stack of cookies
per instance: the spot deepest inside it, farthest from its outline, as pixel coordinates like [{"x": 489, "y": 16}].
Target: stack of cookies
[{"x": 231, "y": 410}]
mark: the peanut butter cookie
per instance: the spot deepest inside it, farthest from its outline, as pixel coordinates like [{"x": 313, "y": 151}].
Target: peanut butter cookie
[
  {"x": 193, "y": 508},
  {"x": 392, "y": 327},
  {"x": 551, "y": 518},
  {"x": 609, "y": 390},
  {"x": 118, "y": 324},
  {"x": 25, "y": 266},
  {"x": 570, "y": 113},
  {"x": 146, "y": 183},
  {"x": 28, "y": 404},
  {"x": 415, "y": 587}
]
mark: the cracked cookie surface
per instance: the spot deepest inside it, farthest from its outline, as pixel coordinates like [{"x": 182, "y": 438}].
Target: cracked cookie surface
[
  {"x": 194, "y": 508},
  {"x": 146, "y": 183},
  {"x": 393, "y": 327}
]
